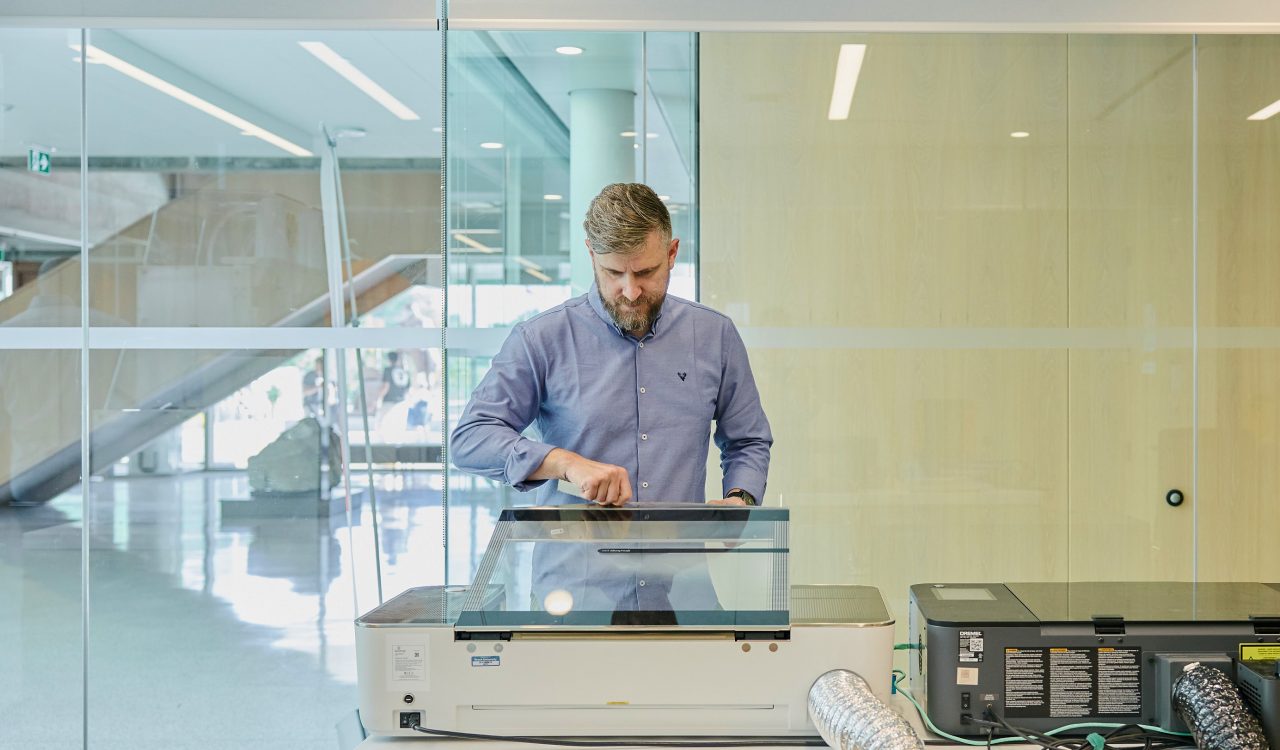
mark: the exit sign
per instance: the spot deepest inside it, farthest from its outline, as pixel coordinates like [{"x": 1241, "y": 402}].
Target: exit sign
[{"x": 38, "y": 161}]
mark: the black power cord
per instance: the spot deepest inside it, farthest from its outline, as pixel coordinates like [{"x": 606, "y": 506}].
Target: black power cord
[
  {"x": 1128, "y": 735},
  {"x": 566, "y": 742}
]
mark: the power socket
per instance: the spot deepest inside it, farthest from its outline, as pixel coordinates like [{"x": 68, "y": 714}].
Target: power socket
[{"x": 410, "y": 719}]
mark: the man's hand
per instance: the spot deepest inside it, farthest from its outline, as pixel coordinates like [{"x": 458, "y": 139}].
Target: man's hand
[
  {"x": 727, "y": 501},
  {"x": 604, "y": 484}
]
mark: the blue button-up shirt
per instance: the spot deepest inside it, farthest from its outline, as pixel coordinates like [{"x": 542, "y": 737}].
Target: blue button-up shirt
[{"x": 646, "y": 405}]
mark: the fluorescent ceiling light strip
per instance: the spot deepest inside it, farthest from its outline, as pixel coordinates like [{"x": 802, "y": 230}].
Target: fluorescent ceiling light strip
[
  {"x": 528, "y": 263},
  {"x": 186, "y": 97},
  {"x": 539, "y": 275},
  {"x": 1271, "y": 110},
  {"x": 848, "y": 66},
  {"x": 344, "y": 68}
]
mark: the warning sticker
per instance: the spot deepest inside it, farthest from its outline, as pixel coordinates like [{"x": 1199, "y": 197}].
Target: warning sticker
[
  {"x": 971, "y": 646},
  {"x": 408, "y": 662},
  {"x": 1259, "y": 651},
  {"x": 1071, "y": 683},
  {"x": 1119, "y": 681},
  {"x": 1026, "y": 682}
]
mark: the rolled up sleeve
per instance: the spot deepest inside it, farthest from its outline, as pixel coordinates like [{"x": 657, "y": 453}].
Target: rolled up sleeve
[
  {"x": 488, "y": 440},
  {"x": 742, "y": 430}
]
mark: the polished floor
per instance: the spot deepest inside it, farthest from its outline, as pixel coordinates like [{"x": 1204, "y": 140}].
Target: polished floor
[{"x": 206, "y": 631}]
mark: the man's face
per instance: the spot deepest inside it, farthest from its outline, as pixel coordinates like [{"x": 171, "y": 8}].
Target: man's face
[{"x": 633, "y": 286}]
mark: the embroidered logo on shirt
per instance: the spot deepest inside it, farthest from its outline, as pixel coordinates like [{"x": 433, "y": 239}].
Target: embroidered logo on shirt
[{"x": 682, "y": 375}]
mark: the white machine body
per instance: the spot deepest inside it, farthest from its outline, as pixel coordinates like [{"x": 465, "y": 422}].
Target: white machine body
[
  {"x": 655, "y": 620},
  {"x": 613, "y": 683}
]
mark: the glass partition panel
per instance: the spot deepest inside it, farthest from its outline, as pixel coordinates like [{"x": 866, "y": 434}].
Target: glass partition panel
[
  {"x": 1129, "y": 281},
  {"x": 1238, "y": 265},
  {"x": 539, "y": 122},
  {"x": 265, "y": 272},
  {"x": 41, "y": 507},
  {"x": 961, "y": 266}
]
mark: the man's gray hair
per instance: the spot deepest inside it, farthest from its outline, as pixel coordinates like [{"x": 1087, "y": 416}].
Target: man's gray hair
[{"x": 623, "y": 216}]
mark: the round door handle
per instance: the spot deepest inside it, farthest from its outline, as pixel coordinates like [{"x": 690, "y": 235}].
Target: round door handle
[{"x": 1174, "y": 497}]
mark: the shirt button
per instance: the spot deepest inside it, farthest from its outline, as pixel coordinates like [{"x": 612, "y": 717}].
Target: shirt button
[
  {"x": 641, "y": 344},
  {"x": 642, "y": 390},
  {"x": 642, "y": 583},
  {"x": 644, "y": 485},
  {"x": 644, "y": 437}
]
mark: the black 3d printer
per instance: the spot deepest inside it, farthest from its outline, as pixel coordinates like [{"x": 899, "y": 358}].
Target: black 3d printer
[{"x": 1047, "y": 655}]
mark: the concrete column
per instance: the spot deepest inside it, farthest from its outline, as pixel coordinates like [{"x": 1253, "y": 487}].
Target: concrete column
[{"x": 598, "y": 156}]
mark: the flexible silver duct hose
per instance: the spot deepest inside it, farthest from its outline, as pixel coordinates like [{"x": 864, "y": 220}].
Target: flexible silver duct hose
[
  {"x": 850, "y": 717},
  {"x": 1209, "y": 702}
]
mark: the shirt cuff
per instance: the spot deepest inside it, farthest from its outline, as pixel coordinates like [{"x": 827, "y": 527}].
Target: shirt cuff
[
  {"x": 525, "y": 458},
  {"x": 748, "y": 479}
]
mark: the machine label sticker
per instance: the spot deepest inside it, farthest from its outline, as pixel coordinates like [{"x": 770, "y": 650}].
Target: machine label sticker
[
  {"x": 1259, "y": 651},
  {"x": 966, "y": 675},
  {"x": 1071, "y": 683},
  {"x": 486, "y": 661},
  {"x": 408, "y": 662},
  {"x": 971, "y": 646},
  {"x": 1026, "y": 682},
  {"x": 1119, "y": 681}
]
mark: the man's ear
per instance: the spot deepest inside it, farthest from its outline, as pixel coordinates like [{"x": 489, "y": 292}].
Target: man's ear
[
  {"x": 590, "y": 252},
  {"x": 671, "y": 253}
]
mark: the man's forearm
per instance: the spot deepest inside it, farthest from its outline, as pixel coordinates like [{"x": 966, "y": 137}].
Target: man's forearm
[{"x": 555, "y": 465}]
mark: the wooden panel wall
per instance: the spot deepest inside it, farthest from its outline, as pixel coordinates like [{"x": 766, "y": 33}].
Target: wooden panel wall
[
  {"x": 1239, "y": 291},
  {"x": 945, "y": 458},
  {"x": 1129, "y": 237},
  {"x": 919, "y": 213}
]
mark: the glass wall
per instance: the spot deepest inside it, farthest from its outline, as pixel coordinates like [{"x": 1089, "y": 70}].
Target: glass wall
[
  {"x": 1014, "y": 306},
  {"x": 262, "y": 398},
  {"x": 41, "y": 545},
  {"x": 1001, "y": 311}
]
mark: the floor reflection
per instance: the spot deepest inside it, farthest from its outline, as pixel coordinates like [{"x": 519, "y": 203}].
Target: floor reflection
[{"x": 244, "y": 625}]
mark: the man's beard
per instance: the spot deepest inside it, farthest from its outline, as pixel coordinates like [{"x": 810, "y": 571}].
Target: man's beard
[{"x": 636, "y": 316}]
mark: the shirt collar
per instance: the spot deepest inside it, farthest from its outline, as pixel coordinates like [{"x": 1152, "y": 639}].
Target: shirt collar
[{"x": 593, "y": 297}]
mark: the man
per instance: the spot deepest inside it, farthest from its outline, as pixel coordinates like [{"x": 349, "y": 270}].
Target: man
[
  {"x": 621, "y": 385},
  {"x": 395, "y": 382},
  {"x": 313, "y": 389}
]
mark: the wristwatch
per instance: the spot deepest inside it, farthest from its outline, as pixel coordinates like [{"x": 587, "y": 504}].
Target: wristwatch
[{"x": 747, "y": 497}]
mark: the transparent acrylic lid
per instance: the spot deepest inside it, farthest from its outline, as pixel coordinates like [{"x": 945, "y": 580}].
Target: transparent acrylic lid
[{"x": 650, "y": 567}]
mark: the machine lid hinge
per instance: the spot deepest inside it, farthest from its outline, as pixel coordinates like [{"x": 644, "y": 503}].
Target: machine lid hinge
[
  {"x": 481, "y": 635},
  {"x": 1108, "y": 624},
  {"x": 1265, "y": 624},
  {"x": 762, "y": 635}
]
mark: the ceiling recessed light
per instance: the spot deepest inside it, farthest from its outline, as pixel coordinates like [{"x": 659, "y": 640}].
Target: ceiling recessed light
[
  {"x": 491, "y": 145},
  {"x": 664, "y": 197},
  {"x": 635, "y": 145},
  {"x": 1019, "y": 134},
  {"x": 1266, "y": 112},
  {"x": 437, "y": 129},
  {"x": 628, "y": 134},
  {"x": 552, "y": 197},
  {"x": 569, "y": 50},
  {"x": 848, "y": 65},
  {"x": 650, "y": 135}
]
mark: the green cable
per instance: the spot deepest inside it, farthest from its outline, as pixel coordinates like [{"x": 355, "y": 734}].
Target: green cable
[{"x": 1004, "y": 740}]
